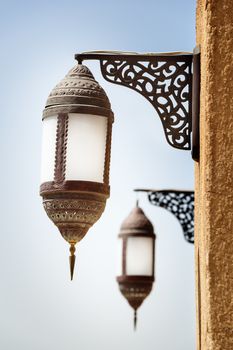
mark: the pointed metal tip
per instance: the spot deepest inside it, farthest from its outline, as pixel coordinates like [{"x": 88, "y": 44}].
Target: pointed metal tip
[
  {"x": 72, "y": 260},
  {"x": 135, "y": 320},
  {"x": 72, "y": 263}
]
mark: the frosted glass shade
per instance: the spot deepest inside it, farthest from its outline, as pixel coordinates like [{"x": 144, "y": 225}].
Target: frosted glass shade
[
  {"x": 139, "y": 256},
  {"x": 119, "y": 260},
  {"x": 84, "y": 148},
  {"x": 48, "y": 148},
  {"x": 86, "y": 143}
]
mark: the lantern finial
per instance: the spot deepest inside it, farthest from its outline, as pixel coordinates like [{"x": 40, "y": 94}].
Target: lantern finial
[
  {"x": 135, "y": 319},
  {"x": 72, "y": 259}
]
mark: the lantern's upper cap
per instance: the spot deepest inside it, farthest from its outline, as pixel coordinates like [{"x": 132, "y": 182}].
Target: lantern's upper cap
[
  {"x": 78, "y": 92},
  {"x": 137, "y": 223}
]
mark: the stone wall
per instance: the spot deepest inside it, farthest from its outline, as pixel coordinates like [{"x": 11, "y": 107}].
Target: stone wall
[{"x": 214, "y": 178}]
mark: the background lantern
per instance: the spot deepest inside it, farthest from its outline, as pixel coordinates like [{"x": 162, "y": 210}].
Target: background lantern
[
  {"x": 77, "y": 124},
  {"x": 136, "y": 264}
]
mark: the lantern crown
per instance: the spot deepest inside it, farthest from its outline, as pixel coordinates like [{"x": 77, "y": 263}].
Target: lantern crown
[
  {"x": 77, "y": 92},
  {"x": 137, "y": 223}
]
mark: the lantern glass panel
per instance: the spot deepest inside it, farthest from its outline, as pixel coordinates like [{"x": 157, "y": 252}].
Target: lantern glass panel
[
  {"x": 119, "y": 257},
  {"x": 86, "y": 143},
  {"x": 139, "y": 256},
  {"x": 48, "y": 148}
]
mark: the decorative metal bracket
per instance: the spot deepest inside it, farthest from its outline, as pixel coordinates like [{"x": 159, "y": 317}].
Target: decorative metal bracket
[
  {"x": 164, "y": 79},
  {"x": 179, "y": 203}
]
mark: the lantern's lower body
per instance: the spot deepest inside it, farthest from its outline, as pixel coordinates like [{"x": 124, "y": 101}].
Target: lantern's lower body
[
  {"x": 135, "y": 289},
  {"x": 74, "y": 206}
]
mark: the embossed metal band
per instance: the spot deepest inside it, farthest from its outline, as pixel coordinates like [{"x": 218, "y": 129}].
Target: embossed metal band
[
  {"x": 135, "y": 279},
  {"x": 52, "y": 187},
  {"x": 82, "y": 109}
]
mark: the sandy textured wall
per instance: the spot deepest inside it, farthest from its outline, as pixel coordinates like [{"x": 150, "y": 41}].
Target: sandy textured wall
[{"x": 214, "y": 177}]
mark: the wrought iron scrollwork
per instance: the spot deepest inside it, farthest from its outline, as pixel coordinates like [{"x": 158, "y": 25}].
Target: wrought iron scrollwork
[
  {"x": 179, "y": 203},
  {"x": 165, "y": 81}
]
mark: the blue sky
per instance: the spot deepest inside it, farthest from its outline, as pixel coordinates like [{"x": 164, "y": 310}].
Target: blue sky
[{"x": 40, "y": 307}]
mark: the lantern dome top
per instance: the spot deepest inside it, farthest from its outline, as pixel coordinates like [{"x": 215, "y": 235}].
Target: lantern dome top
[
  {"x": 78, "y": 92},
  {"x": 137, "y": 223}
]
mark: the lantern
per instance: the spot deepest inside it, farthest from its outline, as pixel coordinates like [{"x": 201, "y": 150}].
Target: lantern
[
  {"x": 77, "y": 124},
  {"x": 136, "y": 243}
]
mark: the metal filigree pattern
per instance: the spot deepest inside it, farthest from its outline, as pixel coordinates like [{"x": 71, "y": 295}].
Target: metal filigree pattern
[
  {"x": 165, "y": 82},
  {"x": 135, "y": 294},
  {"x": 74, "y": 217},
  {"x": 181, "y": 204},
  {"x": 74, "y": 210}
]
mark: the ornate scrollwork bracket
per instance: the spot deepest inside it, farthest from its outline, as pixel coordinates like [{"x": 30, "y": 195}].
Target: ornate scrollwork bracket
[
  {"x": 179, "y": 203},
  {"x": 165, "y": 80}
]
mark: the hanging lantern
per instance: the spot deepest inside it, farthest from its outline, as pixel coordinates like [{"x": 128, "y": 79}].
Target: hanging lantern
[
  {"x": 136, "y": 252},
  {"x": 77, "y": 125}
]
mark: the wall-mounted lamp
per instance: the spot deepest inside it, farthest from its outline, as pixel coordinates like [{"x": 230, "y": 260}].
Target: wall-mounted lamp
[
  {"x": 178, "y": 202},
  {"x": 77, "y": 126},
  {"x": 77, "y": 123},
  {"x": 136, "y": 242}
]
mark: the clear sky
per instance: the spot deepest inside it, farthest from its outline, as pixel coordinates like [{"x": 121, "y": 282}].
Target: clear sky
[{"x": 40, "y": 309}]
